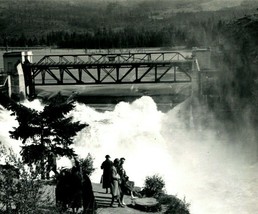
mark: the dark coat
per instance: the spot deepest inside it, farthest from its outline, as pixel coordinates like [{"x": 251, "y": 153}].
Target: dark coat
[
  {"x": 63, "y": 190},
  {"x": 76, "y": 189},
  {"x": 87, "y": 195},
  {"x": 126, "y": 185},
  {"x": 107, "y": 173}
]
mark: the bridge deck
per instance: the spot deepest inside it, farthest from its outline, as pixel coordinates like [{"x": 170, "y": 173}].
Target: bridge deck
[{"x": 110, "y": 64}]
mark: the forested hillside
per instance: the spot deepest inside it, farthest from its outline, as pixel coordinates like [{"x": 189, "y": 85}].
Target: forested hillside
[
  {"x": 113, "y": 24},
  {"x": 239, "y": 63}
]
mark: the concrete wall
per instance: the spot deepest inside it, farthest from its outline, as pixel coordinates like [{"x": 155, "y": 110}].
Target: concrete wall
[
  {"x": 18, "y": 88},
  {"x": 195, "y": 85},
  {"x": 201, "y": 62},
  {"x": 13, "y": 68},
  {"x": 12, "y": 58}
]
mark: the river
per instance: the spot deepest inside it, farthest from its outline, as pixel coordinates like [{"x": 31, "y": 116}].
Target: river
[{"x": 215, "y": 170}]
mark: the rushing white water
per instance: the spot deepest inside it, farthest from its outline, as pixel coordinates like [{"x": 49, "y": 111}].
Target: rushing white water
[{"x": 214, "y": 174}]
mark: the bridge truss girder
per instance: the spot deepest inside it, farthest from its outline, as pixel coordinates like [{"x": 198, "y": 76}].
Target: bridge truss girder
[
  {"x": 111, "y": 73},
  {"x": 102, "y": 58}
]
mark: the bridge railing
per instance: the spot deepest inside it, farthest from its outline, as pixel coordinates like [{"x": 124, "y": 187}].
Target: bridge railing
[{"x": 111, "y": 58}]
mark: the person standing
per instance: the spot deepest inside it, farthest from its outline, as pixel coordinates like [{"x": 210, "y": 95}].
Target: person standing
[
  {"x": 106, "y": 166},
  {"x": 115, "y": 185},
  {"x": 63, "y": 190},
  {"x": 126, "y": 188},
  {"x": 87, "y": 195},
  {"x": 76, "y": 189}
]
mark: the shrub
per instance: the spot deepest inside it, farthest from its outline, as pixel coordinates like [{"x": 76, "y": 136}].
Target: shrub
[
  {"x": 20, "y": 192},
  {"x": 153, "y": 186},
  {"x": 174, "y": 204},
  {"x": 87, "y": 164}
]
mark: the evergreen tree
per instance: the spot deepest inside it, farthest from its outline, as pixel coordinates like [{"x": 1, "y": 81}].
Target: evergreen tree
[{"x": 45, "y": 135}]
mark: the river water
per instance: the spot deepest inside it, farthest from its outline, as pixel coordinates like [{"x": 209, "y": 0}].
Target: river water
[{"x": 215, "y": 170}]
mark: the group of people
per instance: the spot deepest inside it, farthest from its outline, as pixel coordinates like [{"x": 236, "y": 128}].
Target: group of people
[
  {"x": 74, "y": 190},
  {"x": 115, "y": 178}
]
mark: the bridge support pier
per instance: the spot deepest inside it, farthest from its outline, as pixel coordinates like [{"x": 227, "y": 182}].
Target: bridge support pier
[
  {"x": 13, "y": 68},
  {"x": 201, "y": 62}
]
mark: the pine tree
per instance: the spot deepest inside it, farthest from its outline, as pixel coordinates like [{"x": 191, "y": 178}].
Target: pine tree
[{"x": 45, "y": 135}]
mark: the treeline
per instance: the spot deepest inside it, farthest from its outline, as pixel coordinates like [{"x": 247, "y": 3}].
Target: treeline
[
  {"x": 103, "y": 38},
  {"x": 240, "y": 57},
  {"x": 110, "y": 24},
  {"x": 237, "y": 66},
  {"x": 195, "y": 33}
]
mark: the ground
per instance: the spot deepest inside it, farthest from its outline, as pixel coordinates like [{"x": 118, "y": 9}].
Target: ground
[{"x": 103, "y": 201}]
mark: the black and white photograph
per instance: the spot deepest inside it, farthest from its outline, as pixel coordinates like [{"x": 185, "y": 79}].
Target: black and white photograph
[{"x": 128, "y": 106}]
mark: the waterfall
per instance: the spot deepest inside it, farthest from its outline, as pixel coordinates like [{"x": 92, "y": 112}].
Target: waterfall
[{"x": 213, "y": 173}]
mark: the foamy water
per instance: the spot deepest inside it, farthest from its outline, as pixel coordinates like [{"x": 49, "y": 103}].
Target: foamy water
[{"x": 214, "y": 174}]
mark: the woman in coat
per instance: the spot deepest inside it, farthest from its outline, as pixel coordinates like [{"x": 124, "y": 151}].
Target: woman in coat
[{"x": 115, "y": 186}]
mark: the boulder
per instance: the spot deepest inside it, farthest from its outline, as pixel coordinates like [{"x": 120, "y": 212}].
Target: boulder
[{"x": 146, "y": 204}]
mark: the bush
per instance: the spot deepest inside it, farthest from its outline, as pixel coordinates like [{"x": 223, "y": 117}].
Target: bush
[
  {"x": 153, "y": 186},
  {"x": 20, "y": 190},
  {"x": 87, "y": 164},
  {"x": 174, "y": 204}
]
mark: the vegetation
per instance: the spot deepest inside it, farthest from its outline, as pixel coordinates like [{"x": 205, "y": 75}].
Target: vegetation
[
  {"x": 45, "y": 135},
  {"x": 174, "y": 204},
  {"x": 86, "y": 164},
  {"x": 153, "y": 186},
  {"x": 243, "y": 40},
  {"x": 237, "y": 65},
  {"x": 113, "y": 24},
  {"x": 20, "y": 190}
]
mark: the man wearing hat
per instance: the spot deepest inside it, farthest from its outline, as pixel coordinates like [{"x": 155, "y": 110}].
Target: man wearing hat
[{"x": 106, "y": 166}]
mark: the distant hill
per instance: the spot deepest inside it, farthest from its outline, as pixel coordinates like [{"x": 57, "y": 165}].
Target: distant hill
[
  {"x": 35, "y": 19},
  {"x": 175, "y": 5}
]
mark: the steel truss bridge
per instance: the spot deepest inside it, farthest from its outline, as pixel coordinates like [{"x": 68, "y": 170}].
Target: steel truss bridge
[{"x": 115, "y": 68}]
